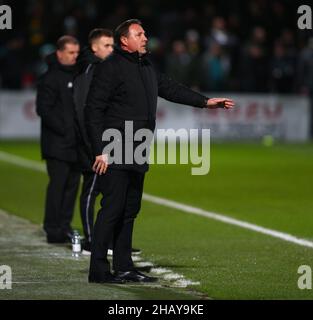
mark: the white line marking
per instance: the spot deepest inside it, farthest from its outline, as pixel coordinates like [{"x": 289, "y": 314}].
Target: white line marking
[
  {"x": 182, "y": 283},
  {"x": 175, "y": 279},
  {"x": 144, "y": 264},
  {"x": 228, "y": 220},
  {"x": 22, "y": 162},
  {"x": 173, "y": 276},
  {"x": 160, "y": 270},
  {"x": 35, "y": 165},
  {"x": 136, "y": 258}
]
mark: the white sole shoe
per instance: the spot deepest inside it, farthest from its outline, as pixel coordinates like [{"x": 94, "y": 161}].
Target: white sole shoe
[{"x": 86, "y": 253}]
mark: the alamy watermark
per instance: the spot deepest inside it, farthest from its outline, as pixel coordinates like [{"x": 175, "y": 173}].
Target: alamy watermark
[
  {"x": 5, "y": 277},
  {"x": 305, "y": 19},
  {"x": 305, "y": 280},
  {"x": 129, "y": 146},
  {"x": 5, "y": 17}
]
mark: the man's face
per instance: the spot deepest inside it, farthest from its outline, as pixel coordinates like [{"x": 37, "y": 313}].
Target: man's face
[
  {"x": 103, "y": 47},
  {"x": 136, "y": 39},
  {"x": 69, "y": 54}
]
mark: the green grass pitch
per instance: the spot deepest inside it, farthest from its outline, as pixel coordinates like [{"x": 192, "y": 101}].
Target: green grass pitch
[{"x": 267, "y": 186}]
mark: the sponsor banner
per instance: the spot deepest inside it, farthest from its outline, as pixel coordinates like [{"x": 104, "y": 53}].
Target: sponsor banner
[
  {"x": 284, "y": 117},
  {"x": 18, "y": 118}
]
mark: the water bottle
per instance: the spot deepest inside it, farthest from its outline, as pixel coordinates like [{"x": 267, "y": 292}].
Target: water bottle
[{"x": 76, "y": 244}]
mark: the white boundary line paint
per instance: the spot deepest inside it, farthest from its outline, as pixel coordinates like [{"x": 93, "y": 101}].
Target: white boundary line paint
[
  {"x": 176, "y": 280},
  {"x": 22, "y": 162},
  {"x": 35, "y": 165},
  {"x": 228, "y": 220}
]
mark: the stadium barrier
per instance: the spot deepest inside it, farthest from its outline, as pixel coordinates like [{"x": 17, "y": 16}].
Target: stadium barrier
[{"x": 283, "y": 117}]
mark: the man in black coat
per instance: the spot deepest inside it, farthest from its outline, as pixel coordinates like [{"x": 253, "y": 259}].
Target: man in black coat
[
  {"x": 100, "y": 47},
  {"x": 55, "y": 106},
  {"x": 125, "y": 87}
]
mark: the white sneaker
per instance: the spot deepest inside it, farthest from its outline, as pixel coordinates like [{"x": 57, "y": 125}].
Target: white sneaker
[{"x": 86, "y": 253}]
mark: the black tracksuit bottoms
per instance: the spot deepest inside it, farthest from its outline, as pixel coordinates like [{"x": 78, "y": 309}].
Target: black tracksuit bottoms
[
  {"x": 90, "y": 191},
  {"x": 60, "y": 198},
  {"x": 122, "y": 193}
]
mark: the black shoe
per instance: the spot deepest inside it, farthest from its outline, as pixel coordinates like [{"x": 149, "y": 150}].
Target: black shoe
[
  {"x": 134, "y": 276},
  {"x": 57, "y": 239},
  {"x": 107, "y": 277}
]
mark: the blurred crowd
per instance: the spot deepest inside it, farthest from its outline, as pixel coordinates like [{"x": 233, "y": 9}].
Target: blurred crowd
[{"x": 231, "y": 45}]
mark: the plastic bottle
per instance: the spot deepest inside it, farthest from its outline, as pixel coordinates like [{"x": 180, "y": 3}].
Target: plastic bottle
[{"x": 76, "y": 244}]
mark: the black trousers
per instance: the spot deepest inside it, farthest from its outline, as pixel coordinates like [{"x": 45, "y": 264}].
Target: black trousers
[
  {"x": 90, "y": 191},
  {"x": 122, "y": 193},
  {"x": 60, "y": 198}
]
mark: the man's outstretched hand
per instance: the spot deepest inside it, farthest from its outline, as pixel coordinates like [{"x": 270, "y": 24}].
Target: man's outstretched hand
[
  {"x": 225, "y": 103},
  {"x": 101, "y": 164}
]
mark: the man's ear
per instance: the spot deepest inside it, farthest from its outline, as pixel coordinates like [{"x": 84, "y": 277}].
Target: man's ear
[
  {"x": 93, "y": 47},
  {"x": 124, "y": 41},
  {"x": 58, "y": 53}
]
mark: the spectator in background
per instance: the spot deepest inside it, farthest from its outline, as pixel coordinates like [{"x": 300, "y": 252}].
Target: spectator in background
[
  {"x": 193, "y": 48},
  {"x": 12, "y": 63},
  {"x": 287, "y": 38},
  {"x": 305, "y": 75},
  {"x": 253, "y": 70},
  {"x": 305, "y": 69},
  {"x": 282, "y": 70},
  {"x": 55, "y": 106},
  {"x": 218, "y": 33},
  {"x": 215, "y": 69},
  {"x": 179, "y": 62},
  {"x": 225, "y": 22}
]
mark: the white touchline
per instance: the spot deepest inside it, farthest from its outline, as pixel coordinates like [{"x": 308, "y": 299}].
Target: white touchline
[
  {"x": 228, "y": 220},
  {"x": 35, "y": 165},
  {"x": 22, "y": 162}
]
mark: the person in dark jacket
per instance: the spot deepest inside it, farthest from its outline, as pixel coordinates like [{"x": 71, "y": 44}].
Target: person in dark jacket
[
  {"x": 55, "y": 106},
  {"x": 100, "y": 47},
  {"x": 125, "y": 87}
]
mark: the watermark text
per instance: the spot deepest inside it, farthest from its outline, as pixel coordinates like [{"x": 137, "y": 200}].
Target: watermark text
[{"x": 5, "y": 17}]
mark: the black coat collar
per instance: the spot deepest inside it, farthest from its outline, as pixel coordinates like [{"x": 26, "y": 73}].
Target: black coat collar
[
  {"x": 53, "y": 63},
  {"x": 132, "y": 56}
]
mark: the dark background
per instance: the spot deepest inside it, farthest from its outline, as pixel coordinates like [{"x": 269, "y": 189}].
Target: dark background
[{"x": 234, "y": 45}]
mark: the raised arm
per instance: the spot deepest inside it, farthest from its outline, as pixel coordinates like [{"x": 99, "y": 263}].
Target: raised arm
[{"x": 174, "y": 91}]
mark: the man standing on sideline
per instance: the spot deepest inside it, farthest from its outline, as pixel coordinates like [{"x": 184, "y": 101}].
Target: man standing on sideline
[
  {"x": 55, "y": 106},
  {"x": 100, "y": 47},
  {"x": 125, "y": 87}
]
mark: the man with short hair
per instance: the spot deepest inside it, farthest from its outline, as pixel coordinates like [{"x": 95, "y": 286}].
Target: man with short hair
[
  {"x": 58, "y": 139},
  {"x": 100, "y": 47},
  {"x": 125, "y": 87}
]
